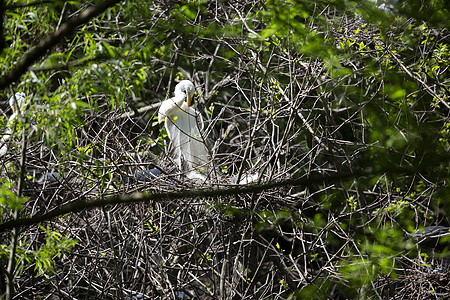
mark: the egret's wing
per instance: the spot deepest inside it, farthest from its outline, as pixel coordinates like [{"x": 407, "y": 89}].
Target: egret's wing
[
  {"x": 199, "y": 154},
  {"x": 169, "y": 107},
  {"x": 187, "y": 142}
]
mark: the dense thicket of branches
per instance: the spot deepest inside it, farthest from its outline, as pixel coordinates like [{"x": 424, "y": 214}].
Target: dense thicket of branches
[{"x": 351, "y": 99}]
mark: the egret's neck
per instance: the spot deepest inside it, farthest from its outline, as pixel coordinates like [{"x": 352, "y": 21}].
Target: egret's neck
[{"x": 179, "y": 99}]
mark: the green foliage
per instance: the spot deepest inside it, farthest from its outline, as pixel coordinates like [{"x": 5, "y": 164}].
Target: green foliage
[
  {"x": 9, "y": 201},
  {"x": 55, "y": 245},
  {"x": 45, "y": 256},
  {"x": 315, "y": 87}
]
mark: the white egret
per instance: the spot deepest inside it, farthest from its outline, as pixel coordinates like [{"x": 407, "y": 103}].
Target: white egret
[
  {"x": 18, "y": 103},
  {"x": 184, "y": 124}
]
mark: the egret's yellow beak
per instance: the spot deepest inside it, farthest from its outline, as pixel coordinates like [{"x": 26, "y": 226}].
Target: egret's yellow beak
[{"x": 189, "y": 100}]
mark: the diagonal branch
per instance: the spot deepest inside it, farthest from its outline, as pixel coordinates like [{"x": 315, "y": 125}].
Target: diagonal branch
[
  {"x": 410, "y": 74},
  {"x": 51, "y": 40}
]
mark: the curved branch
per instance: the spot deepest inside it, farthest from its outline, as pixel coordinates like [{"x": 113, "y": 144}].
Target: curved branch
[{"x": 51, "y": 40}]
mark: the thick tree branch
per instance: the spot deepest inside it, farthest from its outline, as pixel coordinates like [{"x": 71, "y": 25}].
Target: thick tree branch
[
  {"x": 149, "y": 197},
  {"x": 51, "y": 40}
]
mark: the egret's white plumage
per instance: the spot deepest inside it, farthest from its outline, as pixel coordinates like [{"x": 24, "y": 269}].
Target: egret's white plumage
[
  {"x": 184, "y": 124},
  {"x": 17, "y": 103}
]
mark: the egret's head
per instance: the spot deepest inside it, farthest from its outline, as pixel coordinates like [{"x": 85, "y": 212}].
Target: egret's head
[{"x": 186, "y": 87}]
